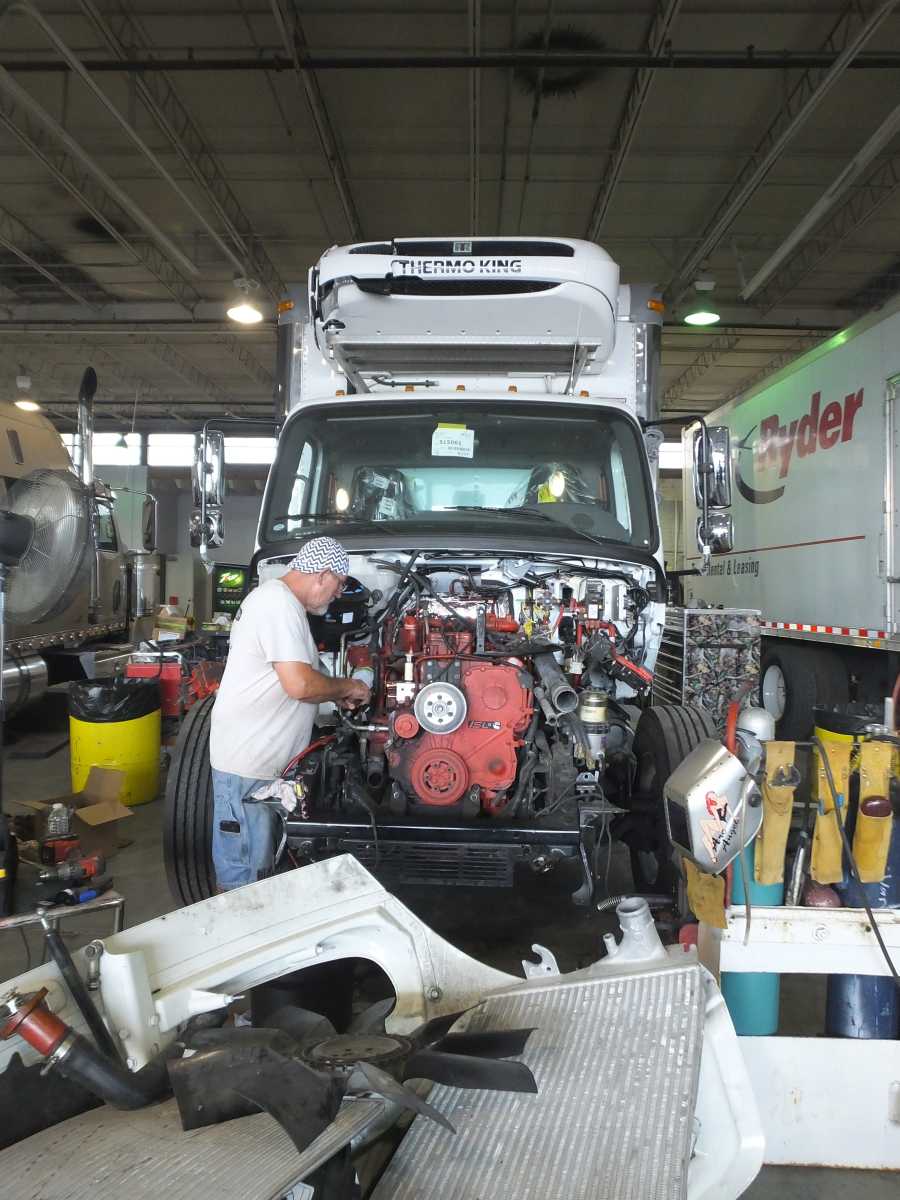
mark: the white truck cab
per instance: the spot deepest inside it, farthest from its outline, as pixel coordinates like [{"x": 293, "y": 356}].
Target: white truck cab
[{"x": 468, "y": 417}]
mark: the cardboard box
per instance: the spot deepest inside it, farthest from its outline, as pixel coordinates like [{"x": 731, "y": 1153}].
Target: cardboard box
[{"x": 97, "y": 811}]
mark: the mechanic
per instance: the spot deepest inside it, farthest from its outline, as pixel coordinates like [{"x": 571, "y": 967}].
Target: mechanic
[{"x": 266, "y": 704}]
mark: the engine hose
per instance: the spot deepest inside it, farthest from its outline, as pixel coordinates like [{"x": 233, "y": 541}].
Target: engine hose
[
  {"x": 83, "y": 1064},
  {"x": 575, "y": 726},
  {"x": 560, "y": 692},
  {"x": 59, "y": 952},
  {"x": 529, "y": 761},
  {"x": 615, "y": 901}
]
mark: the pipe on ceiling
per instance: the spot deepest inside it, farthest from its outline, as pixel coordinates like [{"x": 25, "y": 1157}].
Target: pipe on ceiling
[{"x": 695, "y": 60}]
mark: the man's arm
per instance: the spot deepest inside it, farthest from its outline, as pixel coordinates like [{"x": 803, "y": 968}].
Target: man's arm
[{"x": 303, "y": 682}]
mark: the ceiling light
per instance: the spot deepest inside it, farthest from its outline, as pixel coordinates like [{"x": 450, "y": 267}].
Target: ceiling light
[
  {"x": 24, "y": 400},
  {"x": 702, "y": 311},
  {"x": 243, "y": 307}
]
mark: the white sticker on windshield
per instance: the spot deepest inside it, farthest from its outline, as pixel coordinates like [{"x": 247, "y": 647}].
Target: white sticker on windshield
[{"x": 453, "y": 441}]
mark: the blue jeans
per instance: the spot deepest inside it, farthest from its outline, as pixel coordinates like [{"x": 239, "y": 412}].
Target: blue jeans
[{"x": 243, "y": 839}]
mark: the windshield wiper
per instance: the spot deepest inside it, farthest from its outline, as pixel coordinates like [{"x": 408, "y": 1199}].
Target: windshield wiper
[{"x": 523, "y": 510}]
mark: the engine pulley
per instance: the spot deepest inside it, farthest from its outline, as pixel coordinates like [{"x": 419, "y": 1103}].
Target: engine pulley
[
  {"x": 440, "y": 707},
  {"x": 439, "y": 776}
]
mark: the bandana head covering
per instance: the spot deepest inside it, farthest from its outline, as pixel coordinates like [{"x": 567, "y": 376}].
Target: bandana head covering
[{"x": 321, "y": 554}]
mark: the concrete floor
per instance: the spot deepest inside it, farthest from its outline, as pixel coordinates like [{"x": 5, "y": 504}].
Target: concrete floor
[{"x": 497, "y": 927}]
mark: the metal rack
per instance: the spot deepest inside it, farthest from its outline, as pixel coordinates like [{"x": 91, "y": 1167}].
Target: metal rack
[
  {"x": 707, "y": 658},
  {"x": 823, "y": 1101}
]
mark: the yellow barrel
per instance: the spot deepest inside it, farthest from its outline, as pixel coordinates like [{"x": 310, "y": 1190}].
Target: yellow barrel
[{"x": 117, "y": 724}]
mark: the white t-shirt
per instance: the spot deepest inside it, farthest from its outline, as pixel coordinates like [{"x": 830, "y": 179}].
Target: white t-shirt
[{"x": 256, "y": 727}]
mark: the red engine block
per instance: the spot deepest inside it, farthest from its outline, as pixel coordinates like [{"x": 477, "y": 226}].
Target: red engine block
[{"x": 440, "y": 768}]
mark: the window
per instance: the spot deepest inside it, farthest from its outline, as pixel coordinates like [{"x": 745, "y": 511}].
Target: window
[
  {"x": 463, "y": 465},
  {"x": 106, "y": 527},
  {"x": 170, "y": 449},
  {"x": 110, "y": 449},
  {"x": 250, "y": 450}
]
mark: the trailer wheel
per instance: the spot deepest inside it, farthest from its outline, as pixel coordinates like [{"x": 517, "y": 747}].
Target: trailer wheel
[
  {"x": 665, "y": 736},
  {"x": 188, "y": 818},
  {"x": 793, "y": 679}
]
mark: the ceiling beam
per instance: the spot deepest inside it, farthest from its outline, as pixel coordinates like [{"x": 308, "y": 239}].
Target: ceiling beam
[
  {"x": 748, "y": 58},
  {"x": 106, "y": 365},
  {"x": 826, "y": 202},
  {"x": 859, "y": 207},
  {"x": 176, "y": 123},
  {"x": 877, "y": 290},
  {"x": 705, "y": 360},
  {"x": 774, "y": 364},
  {"x": 657, "y": 37},
  {"x": 507, "y": 111},
  {"x": 238, "y": 350},
  {"x": 72, "y": 168},
  {"x": 855, "y": 27},
  {"x": 535, "y": 113},
  {"x": 289, "y": 27},
  {"x": 182, "y": 367},
  {"x": 14, "y": 236},
  {"x": 474, "y": 27}
]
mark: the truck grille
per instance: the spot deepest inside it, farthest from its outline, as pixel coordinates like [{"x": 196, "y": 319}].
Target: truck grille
[{"x": 436, "y": 863}]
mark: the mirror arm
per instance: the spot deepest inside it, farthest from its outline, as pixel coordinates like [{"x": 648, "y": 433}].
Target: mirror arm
[{"x": 220, "y": 424}]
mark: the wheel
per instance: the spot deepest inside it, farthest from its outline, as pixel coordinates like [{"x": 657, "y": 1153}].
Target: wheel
[
  {"x": 665, "y": 736},
  {"x": 793, "y": 679},
  {"x": 188, "y": 817}
]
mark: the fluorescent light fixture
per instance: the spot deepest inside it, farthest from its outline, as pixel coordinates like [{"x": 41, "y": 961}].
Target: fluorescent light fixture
[
  {"x": 244, "y": 308},
  {"x": 702, "y": 311},
  {"x": 245, "y": 313},
  {"x": 701, "y": 316},
  {"x": 28, "y": 405}
]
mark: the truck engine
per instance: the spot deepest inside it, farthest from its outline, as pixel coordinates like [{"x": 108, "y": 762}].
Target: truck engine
[{"x": 489, "y": 702}]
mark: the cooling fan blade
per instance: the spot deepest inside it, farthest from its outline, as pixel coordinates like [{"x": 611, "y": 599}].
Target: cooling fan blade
[
  {"x": 301, "y": 1071},
  {"x": 372, "y": 1019}
]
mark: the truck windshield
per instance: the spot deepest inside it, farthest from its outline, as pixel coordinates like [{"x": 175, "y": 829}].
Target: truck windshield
[{"x": 456, "y": 464}]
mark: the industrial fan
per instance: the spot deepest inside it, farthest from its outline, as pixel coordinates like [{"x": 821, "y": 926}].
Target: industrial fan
[
  {"x": 56, "y": 562},
  {"x": 300, "y": 1069}
]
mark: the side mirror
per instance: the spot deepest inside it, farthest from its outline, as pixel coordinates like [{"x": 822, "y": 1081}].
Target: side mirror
[
  {"x": 206, "y": 531},
  {"x": 714, "y": 469},
  {"x": 149, "y": 523},
  {"x": 207, "y": 526},
  {"x": 718, "y": 535},
  {"x": 208, "y": 475}
]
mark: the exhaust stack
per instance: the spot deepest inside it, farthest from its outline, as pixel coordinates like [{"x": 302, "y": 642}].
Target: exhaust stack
[{"x": 84, "y": 441}]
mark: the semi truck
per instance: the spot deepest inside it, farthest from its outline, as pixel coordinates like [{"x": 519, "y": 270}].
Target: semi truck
[
  {"x": 813, "y": 477},
  {"x": 474, "y": 420},
  {"x": 79, "y": 599}
]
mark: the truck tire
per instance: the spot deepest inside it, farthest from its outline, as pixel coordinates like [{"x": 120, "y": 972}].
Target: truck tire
[
  {"x": 793, "y": 679},
  {"x": 665, "y": 736},
  {"x": 188, "y": 817}
]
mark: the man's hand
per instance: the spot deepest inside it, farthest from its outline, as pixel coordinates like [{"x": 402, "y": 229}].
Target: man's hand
[
  {"x": 357, "y": 694},
  {"x": 303, "y": 682}
]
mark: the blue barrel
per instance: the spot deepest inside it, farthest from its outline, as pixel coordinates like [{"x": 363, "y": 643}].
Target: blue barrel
[
  {"x": 753, "y": 996},
  {"x": 867, "y": 1006}
]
